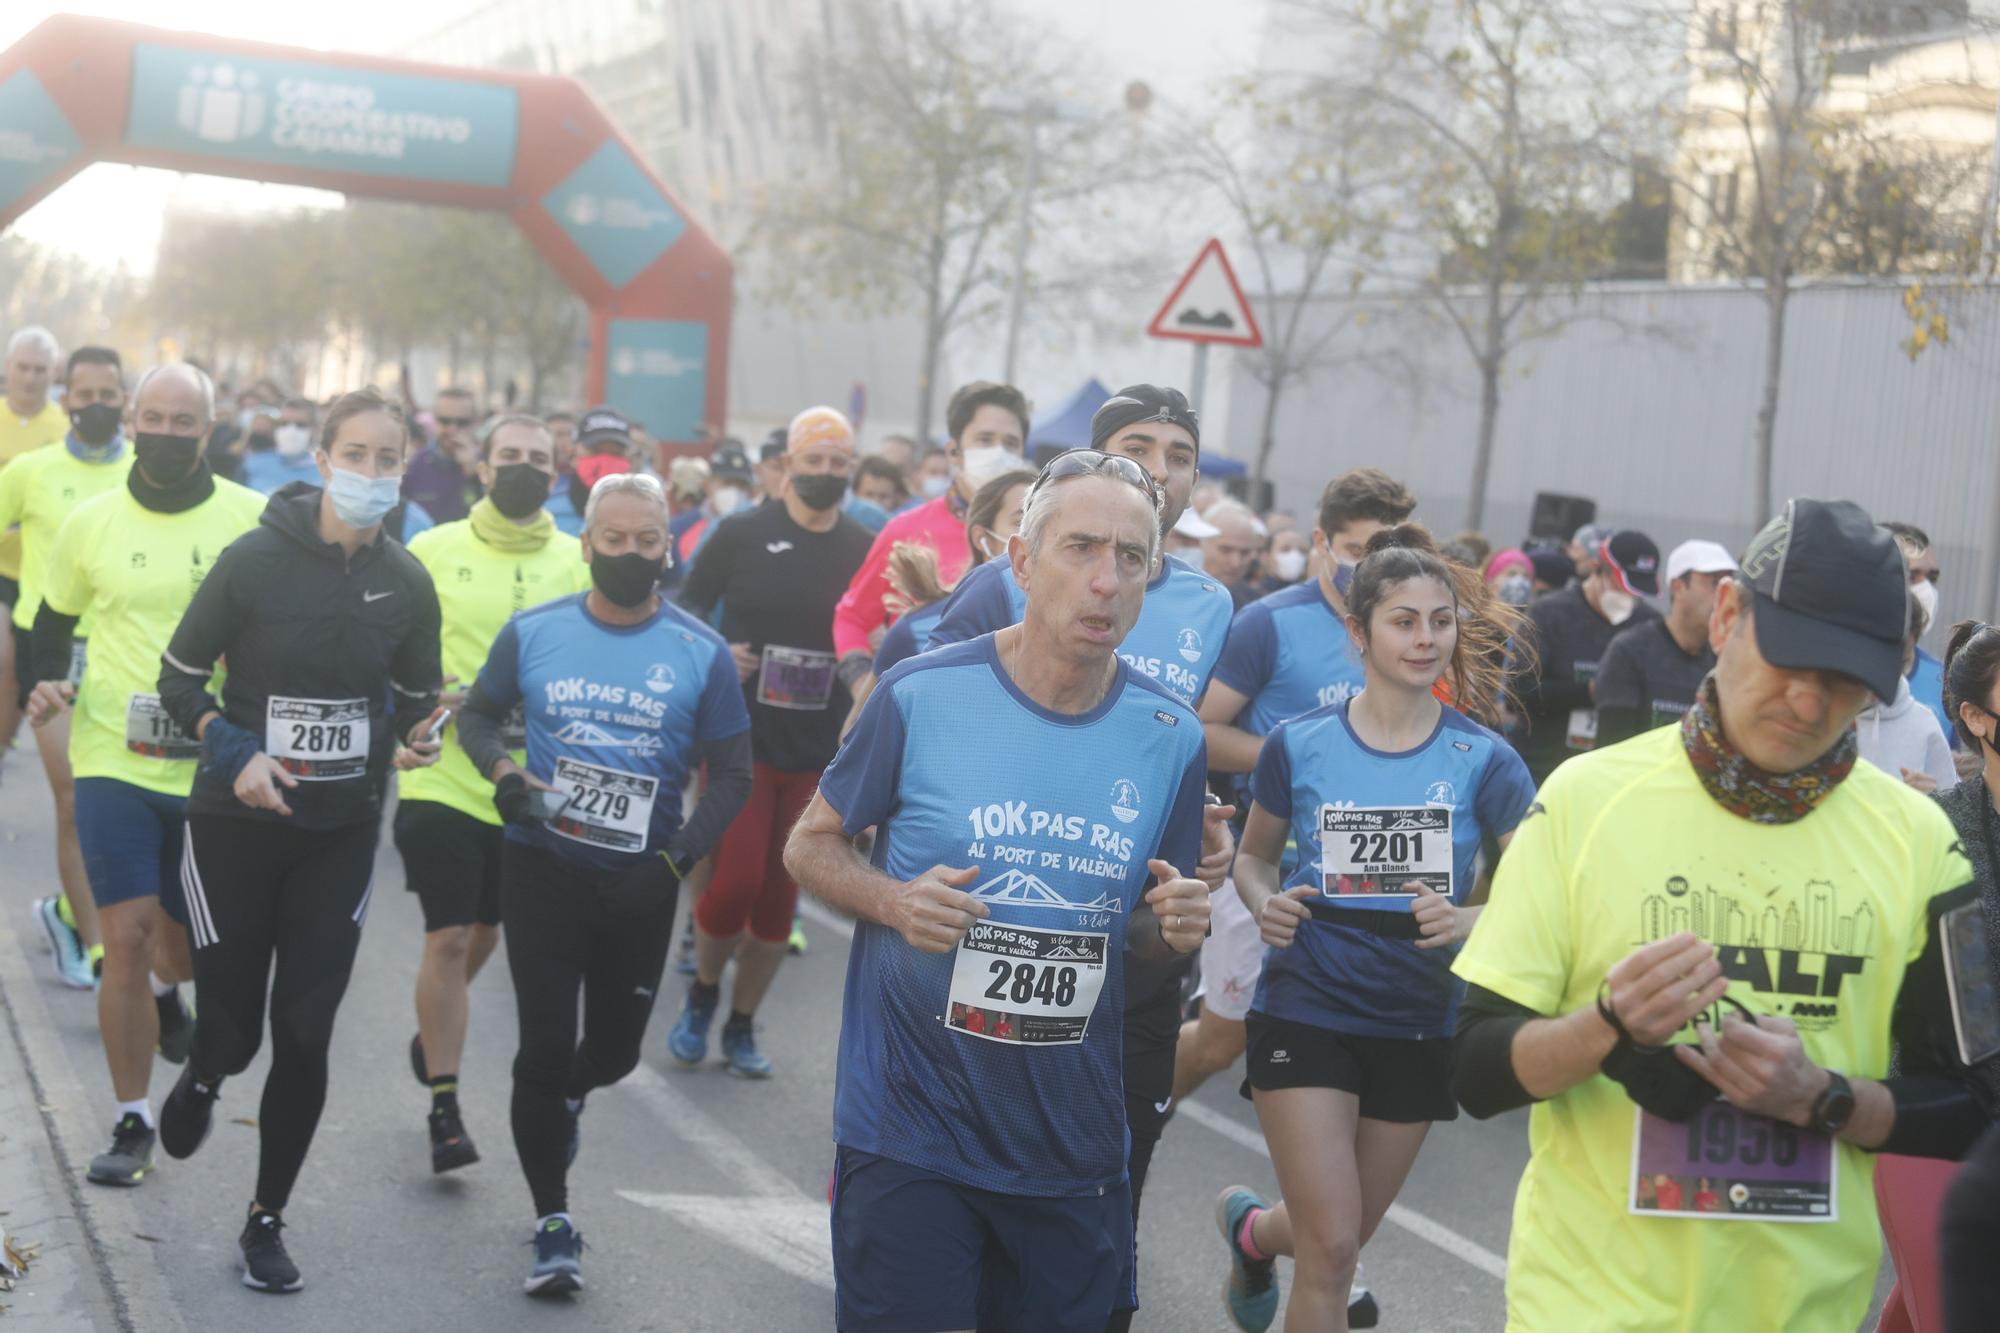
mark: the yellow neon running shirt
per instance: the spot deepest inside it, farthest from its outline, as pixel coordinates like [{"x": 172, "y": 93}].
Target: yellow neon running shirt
[
  {"x": 132, "y": 572},
  {"x": 1816, "y": 921},
  {"x": 40, "y": 490},
  {"x": 479, "y": 588},
  {"x": 18, "y": 436}
]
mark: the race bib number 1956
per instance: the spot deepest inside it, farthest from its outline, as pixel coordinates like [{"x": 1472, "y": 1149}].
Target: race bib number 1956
[
  {"x": 1727, "y": 1165},
  {"x": 1026, "y": 984},
  {"x": 1382, "y": 851},
  {"x": 318, "y": 740}
]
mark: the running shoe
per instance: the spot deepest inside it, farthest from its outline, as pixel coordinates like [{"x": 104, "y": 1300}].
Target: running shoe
[
  {"x": 1362, "y": 1311},
  {"x": 176, "y": 1027},
  {"x": 797, "y": 943},
  {"x": 688, "y": 1041},
  {"x": 266, "y": 1266},
  {"x": 1251, "y": 1292},
  {"x": 739, "y": 1047},
  {"x": 558, "y": 1268},
  {"x": 418, "y": 1066},
  {"x": 684, "y": 964},
  {"x": 130, "y": 1155},
  {"x": 451, "y": 1146},
  {"x": 72, "y": 961},
  {"x": 188, "y": 1114}
]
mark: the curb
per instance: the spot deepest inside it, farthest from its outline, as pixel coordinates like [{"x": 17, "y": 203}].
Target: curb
[{"x": 126, "y": 1270}]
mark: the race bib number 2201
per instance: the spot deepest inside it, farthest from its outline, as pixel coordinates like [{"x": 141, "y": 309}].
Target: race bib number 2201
[{"x": 1384, "y": 851}]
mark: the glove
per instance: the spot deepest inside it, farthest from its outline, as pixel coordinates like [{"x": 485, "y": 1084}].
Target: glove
[
  {"x": 512, "y": 797},
  {"x": 226, "y": 748},
  {"x": 1653, "y": 1076}
]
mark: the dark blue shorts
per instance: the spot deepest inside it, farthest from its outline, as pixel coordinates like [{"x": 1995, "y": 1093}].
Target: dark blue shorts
[
  {"x": 914, "y": 1252},
  {"x": 132, "y": 843}
]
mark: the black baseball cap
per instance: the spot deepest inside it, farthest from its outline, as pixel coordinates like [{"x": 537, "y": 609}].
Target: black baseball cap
[
  {"x": 1551, "y": 566},
  {"x": 1633, "y": 562},
  {"x": 1143, "y": 402},
  {"x": 604, "y": 425},
  {"x": 729, "y": 462},
  {"x": 775, "y": 445},
  {"x": 1832, "y": 593}
]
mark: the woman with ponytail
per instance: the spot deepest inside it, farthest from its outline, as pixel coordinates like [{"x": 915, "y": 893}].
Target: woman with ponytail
[{"x": 1387, "y": 796}]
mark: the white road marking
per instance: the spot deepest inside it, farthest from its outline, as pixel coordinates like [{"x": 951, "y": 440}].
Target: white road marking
[
  {"x": 702, "y": 1131},
  {"x": 1409, "y": 1219},
  {"x": 794, "y": 1234}
]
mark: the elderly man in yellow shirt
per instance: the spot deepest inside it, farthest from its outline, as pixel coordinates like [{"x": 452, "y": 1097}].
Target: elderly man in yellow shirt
[{"x": 32, "y": 419}]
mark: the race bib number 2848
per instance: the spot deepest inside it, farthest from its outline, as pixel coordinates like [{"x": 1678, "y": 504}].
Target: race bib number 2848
[{"x": 1026, "y": 984}]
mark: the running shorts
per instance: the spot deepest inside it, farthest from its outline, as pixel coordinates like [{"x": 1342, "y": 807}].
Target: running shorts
[
  {"x": 1232, "y": 957},
  {"x": 451, "y": 862},
  {"x": 1398, "y": 1079},
  {"x": 133, "y": 843}
]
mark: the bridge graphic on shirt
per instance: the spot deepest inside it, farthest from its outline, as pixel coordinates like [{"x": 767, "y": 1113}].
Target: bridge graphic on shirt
[
  {"x": 1018, "y": 888},
  {"x": 587, "y": 736}
]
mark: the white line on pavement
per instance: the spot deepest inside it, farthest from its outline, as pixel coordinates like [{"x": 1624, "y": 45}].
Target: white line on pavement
[
  {"x": 1410, "y": 1220},
  {"x": 703, "y": 1131},
  {"x": 794, "y": 1234}
]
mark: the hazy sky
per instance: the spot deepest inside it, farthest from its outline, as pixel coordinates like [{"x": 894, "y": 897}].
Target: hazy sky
[{"x": 111, "y": 213}]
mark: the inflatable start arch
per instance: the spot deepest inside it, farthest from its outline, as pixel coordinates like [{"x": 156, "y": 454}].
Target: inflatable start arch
[{"x": 537, "y": 148}]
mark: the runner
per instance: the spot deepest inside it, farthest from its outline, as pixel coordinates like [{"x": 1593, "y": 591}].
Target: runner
[
  {"x": 776, "y": 572},
  {"x": 322, "y": 621},
  {"x": 38, "y": 491},
  {"x": 506, "y": 557},
  {"x": 957, "y": 1203},
  {"x": 622, "y": 695},
  {"x": 1786, "y": 901},
  {"x": 1388, "y": 795},
  {"x": 31, "y": 419},
  {"x": 1652, "y": 671},
  {"x": 128, "y": 562}
]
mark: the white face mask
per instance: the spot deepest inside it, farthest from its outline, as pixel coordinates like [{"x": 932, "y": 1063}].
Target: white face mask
[
  {"x": 934, "y": 486},
  {"x": 983, "y": 464},
  {"x": 1927, "y": 598},
  {"x": 1289, "y": 565},
  {"x": 1616, "y": 606},
  {"x": 293, "y": 439},
  {"x": 727, "y": 500}
]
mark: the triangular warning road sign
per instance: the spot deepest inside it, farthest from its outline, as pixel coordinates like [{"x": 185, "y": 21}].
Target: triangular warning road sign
[{"x": 1207, "y": 305}]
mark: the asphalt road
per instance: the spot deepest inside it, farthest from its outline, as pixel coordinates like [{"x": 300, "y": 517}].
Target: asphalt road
[{"x": 700, "y": 1196}]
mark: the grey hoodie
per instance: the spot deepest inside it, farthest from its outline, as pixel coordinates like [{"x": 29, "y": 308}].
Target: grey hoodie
[{"x": 1903, "y": 734}]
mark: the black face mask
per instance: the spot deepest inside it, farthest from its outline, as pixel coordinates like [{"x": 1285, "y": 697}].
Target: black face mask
[
  {"x": 259, "y": 441},
  {"x": 518, "y": 489},
  {"x": 167, "y": 460},
  {"x": 97, "y": 423},
  {"x": 627, "y": 580},
  {"x": 818, "y": 490}
]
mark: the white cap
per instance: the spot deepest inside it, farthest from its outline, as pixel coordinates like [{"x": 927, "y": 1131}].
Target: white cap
[
  {"x": 1194, "y": 527},
  {"x": 1699, "y": 557}
]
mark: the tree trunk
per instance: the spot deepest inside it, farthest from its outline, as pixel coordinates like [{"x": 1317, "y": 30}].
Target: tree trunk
[
  {"x": 927, "y": 375},
  {"x": 1492, "y": 360},
  {"x": 1777, "y": 296},
  {"x": 1267, "y": 437}
]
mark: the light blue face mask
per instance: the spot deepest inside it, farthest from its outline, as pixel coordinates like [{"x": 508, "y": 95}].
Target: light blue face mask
[{"x": 362, "y": 501}]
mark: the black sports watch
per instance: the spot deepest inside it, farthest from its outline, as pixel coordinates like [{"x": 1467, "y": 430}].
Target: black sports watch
[{"x": 1834, "y": 1106}]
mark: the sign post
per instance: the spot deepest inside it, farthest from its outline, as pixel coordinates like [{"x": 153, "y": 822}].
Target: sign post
[{"x": 1206, "y": 307}]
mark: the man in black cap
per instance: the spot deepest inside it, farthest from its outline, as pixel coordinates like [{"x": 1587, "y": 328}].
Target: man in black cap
[
  {"x": 1570, "y": 631},
  {"x": 728, "y": 490},
  {"x": 1785, "y": 900}
]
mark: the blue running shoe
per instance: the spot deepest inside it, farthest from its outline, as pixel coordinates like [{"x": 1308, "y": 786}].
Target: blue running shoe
[
  {"x": 739, "y": 1047},
  {"x": 558, "y": 1269},
  {"x": 72, "y": 962},
  {"x": 1251, "y": 1292},
  {"x": 688, "y": 1042}
]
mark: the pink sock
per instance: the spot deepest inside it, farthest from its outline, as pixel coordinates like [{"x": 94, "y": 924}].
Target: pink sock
[{"x": 1245, "y": 1237}]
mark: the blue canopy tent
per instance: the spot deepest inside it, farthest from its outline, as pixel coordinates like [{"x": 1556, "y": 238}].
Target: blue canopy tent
[{"x": 1068, "y": 427}]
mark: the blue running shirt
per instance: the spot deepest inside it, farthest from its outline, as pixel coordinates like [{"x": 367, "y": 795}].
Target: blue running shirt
[
  {"x": 908, "y": 636},
  {"x": 1314, "y": 767},
  {"x": 1288, "y": 654},
  {"x": 998, "y": 1064},
  {"x": 615, "y": 716},
  {"x": 1176, "y": 642}
]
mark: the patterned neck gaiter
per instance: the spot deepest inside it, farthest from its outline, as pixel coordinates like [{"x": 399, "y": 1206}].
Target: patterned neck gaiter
[{"x": 1747, "y": 791}]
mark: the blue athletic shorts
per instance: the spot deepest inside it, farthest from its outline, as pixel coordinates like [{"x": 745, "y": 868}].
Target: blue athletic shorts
[
  {"x": 132, "y": 843},
  {"x": 914, "y": 1252}
]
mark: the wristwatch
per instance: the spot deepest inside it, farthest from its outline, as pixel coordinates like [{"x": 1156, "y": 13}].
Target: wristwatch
[{"x": 1834, "y": 1106}]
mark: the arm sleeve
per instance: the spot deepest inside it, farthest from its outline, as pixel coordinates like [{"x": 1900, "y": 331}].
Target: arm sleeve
[
  {"x": 703, "y": 586},
  {"x": 862, "y": 783},
  {"x": 1250, "y": 656},
  {"x": 1180, "y": 836},
  {"x": 1522, "y": 949},
  {"x": 1505, "y": 791},
  {"x": 1482, "y": 1050},
  {"x": 1937, "y": 1112},
  {"x": 1271, "y": 780},
  {"x": 978, "y": 605},
  {"x": 860, "y": 608},
  {"x": 200, "y": 638},
  {"x": 416, "y": 673},
  {"x": 728, "y": 790},
  {"x": 53, "y": 637},
  {"x": 492, "y": 696},
  {"x": 721, "y": 713}
]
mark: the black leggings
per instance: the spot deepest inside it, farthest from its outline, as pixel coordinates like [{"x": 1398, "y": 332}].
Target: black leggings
[
  {"x": 255, "y": 891},
  {"x": 572, "y": 929}
]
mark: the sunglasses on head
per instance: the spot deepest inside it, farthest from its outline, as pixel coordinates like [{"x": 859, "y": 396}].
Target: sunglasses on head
[{"x": 1095, "y": 463}]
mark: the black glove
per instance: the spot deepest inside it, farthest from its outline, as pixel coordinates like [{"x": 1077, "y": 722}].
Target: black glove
[
  {"x": 1653, "y": 1076},
  {"x": 513, "y": 798}
]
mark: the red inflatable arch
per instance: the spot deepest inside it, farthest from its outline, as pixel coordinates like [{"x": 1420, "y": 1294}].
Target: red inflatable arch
[{"x": 81, "y": 90}]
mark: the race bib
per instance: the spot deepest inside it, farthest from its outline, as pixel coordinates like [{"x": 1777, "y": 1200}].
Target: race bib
[
  {"x": 151, "y": 732},
  {"x": 1582, "y": 729},
  {"x": 1026, "y": 984},
  {"x": 514, "y": 731},
  {"x": 1383, "y": 851},
  {"x": 797, "y": 678},
  {"x": 607, "y": 807},
  {"x": 317, "y": 740},
  {"x": 1726, "y": 1165}
]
